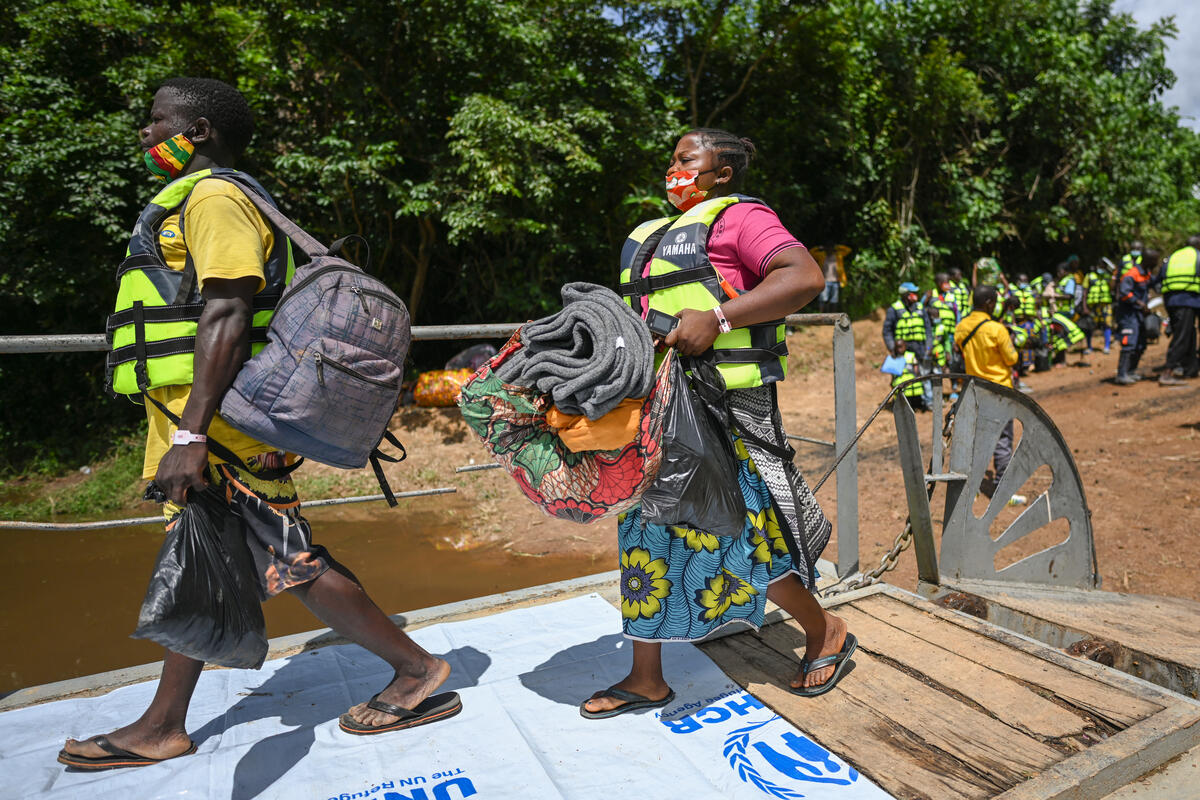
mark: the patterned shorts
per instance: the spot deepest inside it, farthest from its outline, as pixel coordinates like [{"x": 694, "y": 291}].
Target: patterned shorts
[{"x": 279, "y": 538}]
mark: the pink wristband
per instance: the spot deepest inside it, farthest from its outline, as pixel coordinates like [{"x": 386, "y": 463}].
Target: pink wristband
[{"x": 722, "y": 323}]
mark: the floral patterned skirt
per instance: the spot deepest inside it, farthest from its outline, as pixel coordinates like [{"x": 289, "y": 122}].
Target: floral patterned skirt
[{"x": 683, "y": 584}]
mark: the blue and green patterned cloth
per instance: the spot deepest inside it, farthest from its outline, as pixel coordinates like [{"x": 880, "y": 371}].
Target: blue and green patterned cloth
[{"x": 683, "y": 584}]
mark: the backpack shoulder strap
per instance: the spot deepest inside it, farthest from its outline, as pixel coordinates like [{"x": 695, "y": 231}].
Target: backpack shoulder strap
[
  {"x": 301, "y": 237},
  {"x": 974, "y": 330}
]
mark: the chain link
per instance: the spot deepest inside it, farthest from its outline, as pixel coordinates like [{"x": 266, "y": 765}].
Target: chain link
[{"x": 886, "y": 564}]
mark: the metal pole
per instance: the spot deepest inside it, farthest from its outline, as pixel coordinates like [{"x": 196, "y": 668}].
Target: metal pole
[
  {"x": 845, "y": 421},
  {"x": 95, "y": 342},
  {"x": 798, "y": 438}
]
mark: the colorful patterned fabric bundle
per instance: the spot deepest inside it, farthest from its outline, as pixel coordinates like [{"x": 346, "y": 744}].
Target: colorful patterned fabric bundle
[{"x": 581, "y": 487}]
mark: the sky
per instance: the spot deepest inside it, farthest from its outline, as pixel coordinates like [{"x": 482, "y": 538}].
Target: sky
[{"x": 1183, "y": 55}]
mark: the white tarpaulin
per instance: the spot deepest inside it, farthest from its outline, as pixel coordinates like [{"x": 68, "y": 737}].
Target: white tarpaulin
[{"x": 521, "y": 675}]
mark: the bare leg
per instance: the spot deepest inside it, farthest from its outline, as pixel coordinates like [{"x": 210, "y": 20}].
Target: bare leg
[
  {"x": 338, "y": 600},
  {"x": 160, "y": 732},
  {"x": 644, "y": 678},
  {"x": 824, "y": 633}
]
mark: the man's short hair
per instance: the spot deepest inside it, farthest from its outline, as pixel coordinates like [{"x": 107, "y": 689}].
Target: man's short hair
[
  {"x": 1194, "y": 240},
  {"x": 984, "y": 296},
  {"x": 219, "y": 103}
]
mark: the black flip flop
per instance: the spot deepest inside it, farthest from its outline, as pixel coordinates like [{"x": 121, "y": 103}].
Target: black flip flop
[
  {"x": 115, "y": 759},
  {"x": 840, "y": 658},
  {"x": 633, "y": 702},
  {"x": 431, "y": 709}
]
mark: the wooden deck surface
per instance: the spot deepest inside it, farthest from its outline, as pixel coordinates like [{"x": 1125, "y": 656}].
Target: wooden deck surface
[
  {"x": 1161, "y": 627},
  {"x": 941, "y": 705}
]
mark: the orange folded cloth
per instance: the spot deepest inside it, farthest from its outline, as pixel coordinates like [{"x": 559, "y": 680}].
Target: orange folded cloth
[{"x": 614, "y": 430}]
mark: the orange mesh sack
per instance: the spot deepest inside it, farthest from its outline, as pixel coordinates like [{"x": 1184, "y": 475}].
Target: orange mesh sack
[{"x": 439, "y": 388}]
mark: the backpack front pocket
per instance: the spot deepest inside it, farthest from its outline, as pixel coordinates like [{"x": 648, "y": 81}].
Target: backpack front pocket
[{"x": 340, "y": 395}]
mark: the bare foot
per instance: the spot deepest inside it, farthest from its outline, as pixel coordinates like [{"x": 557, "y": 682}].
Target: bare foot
[
  {"x": 139, "y": 738},
  {"x": 651, "y": 690},
  {"x": 407, "y": 691},
  {"x": 822, "y": 643}
]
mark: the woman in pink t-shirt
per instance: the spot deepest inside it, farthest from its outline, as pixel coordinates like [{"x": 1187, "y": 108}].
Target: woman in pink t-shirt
[{"x": 680, "y": 584}]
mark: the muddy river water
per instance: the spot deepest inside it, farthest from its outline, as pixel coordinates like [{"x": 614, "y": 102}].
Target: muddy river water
[{"x": 70, "y": 600}]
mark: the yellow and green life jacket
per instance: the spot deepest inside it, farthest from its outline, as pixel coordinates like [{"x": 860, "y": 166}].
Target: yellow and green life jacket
[
  {"x": 1019, "y": 336},
  {"x": 962, "y": 297},
  {"x": 1099, "y": 288},
  {"x": 910, "y": 371},
  {"x": 1072, "y": 333},
  {"x": 1028, "y": 301},
  {"x": 910, "y": 325},
  {"x": 152, "y": 331},
  {"x": 945, "y": 310},
  {"x": 1183, "y": 271},
  {"x": 682, "y": 276}
]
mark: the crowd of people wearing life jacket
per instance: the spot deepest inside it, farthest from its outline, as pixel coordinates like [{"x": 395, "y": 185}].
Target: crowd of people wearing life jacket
[{"x": 1054, "y": 314}]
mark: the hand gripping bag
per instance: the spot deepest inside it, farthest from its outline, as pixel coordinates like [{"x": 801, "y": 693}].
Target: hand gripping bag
[
  {"x": 581, "y": 487},
  {"x": 328, "y": 380},
  {"x": 204, "y": 600}
]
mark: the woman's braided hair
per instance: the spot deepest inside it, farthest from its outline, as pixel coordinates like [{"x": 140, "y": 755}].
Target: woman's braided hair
[{"x": 732, "y": 151}]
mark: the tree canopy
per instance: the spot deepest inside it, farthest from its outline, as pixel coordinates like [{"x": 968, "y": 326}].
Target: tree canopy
[{"x": 490, "y": 152}]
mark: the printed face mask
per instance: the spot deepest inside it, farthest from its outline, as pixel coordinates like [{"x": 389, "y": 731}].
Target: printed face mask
[
  {"x": 682, "y": 190},
  {"x": 167, "y": 159}
]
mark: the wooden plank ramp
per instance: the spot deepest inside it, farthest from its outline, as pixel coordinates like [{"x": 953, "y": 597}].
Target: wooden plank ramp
[
  {"x": 1151, "y": 637},
  {"x": 938, "y": 704}
]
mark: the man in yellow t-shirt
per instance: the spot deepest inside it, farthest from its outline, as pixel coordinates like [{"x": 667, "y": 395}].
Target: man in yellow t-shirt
[
  {"x": 988, "y": 352},
  {"x": 201, "y": 124},
  {"x": 229, "y": 240}
]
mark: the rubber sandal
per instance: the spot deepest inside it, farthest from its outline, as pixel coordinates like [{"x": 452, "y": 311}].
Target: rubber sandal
[
  {"x": 840, "y": 658},
  {"x": 633, "y": 702},
  {"x": 431, "y": 709},
  {"x": 115, "y": 759}
]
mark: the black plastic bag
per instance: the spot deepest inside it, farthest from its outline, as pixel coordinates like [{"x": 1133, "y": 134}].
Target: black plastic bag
[
  {"x": 697, "y": 483},
  {"x": 203, "y": 599}
]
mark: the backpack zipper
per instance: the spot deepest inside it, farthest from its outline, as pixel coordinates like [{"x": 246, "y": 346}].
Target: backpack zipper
[
  {"x": 321, "y": 362},
  {"x": 360, "y": 291}
]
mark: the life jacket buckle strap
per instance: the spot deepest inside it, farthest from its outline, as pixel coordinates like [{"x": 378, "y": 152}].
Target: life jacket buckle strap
[{"x": 656, "y": 283}]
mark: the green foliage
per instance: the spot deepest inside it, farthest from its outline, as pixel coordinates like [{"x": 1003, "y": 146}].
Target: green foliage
[
  {"x": 490, "y": 152},
  {"x": 114, "y": 483}
]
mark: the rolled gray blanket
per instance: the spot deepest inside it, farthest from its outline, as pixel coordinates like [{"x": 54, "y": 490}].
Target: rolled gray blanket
[{"x": 588, "y": 357}]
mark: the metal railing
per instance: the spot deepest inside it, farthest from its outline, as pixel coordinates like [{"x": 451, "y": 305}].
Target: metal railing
[{"x": 844, "y": 403}]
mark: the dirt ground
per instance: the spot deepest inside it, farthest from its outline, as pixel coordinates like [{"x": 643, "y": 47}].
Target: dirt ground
[{"x": 1136, "y": 449}]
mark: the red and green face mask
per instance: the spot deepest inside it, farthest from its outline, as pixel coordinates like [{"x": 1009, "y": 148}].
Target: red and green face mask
[
  {"x": 682, "y": 190},
  {"x": 167, "y": 159}
]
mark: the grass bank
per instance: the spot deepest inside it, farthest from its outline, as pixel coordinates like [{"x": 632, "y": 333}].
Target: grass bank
[
  {"x": 114, "y": 486},
  {"x": 113, "y": 483}
]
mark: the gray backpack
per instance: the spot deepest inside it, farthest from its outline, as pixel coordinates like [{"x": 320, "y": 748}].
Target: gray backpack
[{"x": 328, "y": 380}]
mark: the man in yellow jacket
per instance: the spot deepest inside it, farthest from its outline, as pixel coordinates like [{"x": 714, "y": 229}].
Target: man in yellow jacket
[{"x": 988, "y": 353}]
